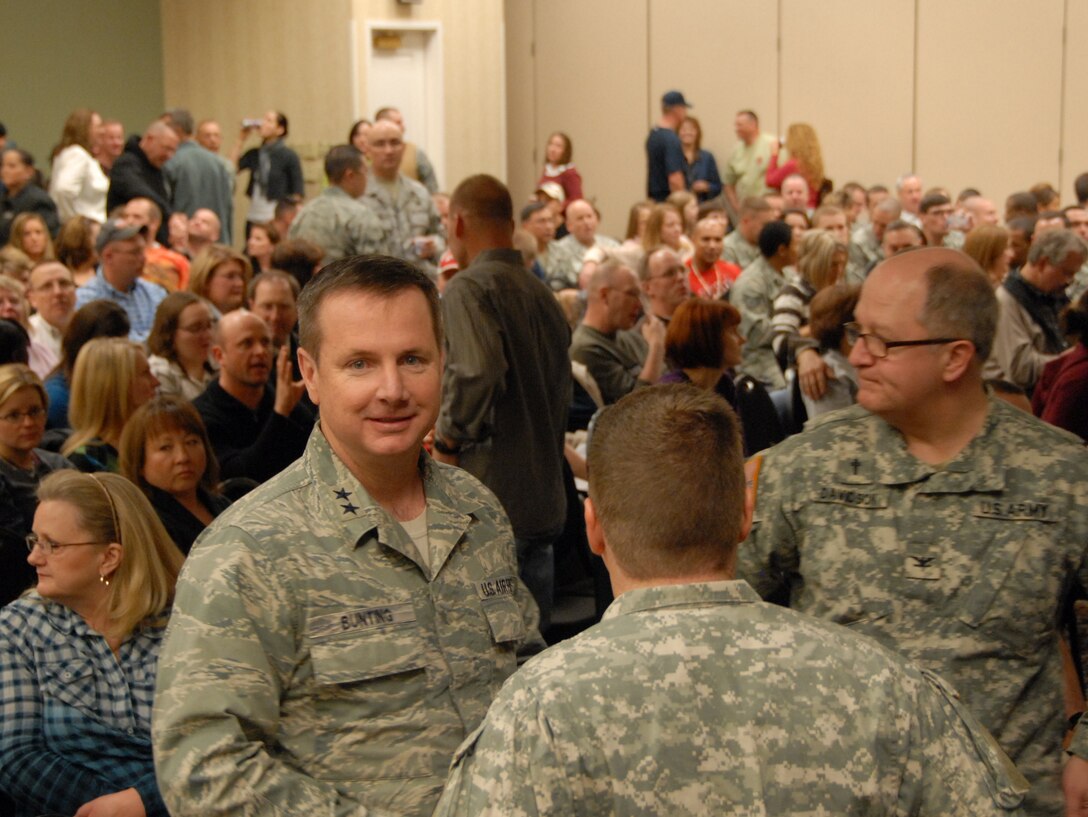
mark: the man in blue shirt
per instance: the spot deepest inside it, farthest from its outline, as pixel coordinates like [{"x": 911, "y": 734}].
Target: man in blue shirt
[
  {"x": 665, "y": 169},
  {"x": 121, "y": 250}
]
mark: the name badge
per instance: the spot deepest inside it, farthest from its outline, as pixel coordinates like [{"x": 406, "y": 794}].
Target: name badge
[
  {"x": 363, "y": 618},
  {"x": 495, "y": 588},
  {"x": 1026, "y": 510},
  {"x": 854, "y": 497}
]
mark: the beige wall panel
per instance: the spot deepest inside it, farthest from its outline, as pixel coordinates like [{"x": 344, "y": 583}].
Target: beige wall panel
[
  {"x": 521, "y": 167},
  {"x": 687, "y": 53},
  {"x": 230, "y": 60},
  {"x": 474, "y": 77},
  {"x": 591, "y": 71},
  {"x": 989, "y": 94},
  {"x": 847, "y": 69},
  {"x": 1075, "y": 130}
]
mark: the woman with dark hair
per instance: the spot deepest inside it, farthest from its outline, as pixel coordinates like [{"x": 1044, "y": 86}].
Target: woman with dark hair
[
  {"x": 78, "y": 185},
  {"x": 1061, "y": 395},
  {"x": 75, "y": 247},
  {"x": 23, "y": 193},
  {"x": 275, "y": 172},
  {"x": 702, "y": 171},
  {"x": 559, "y": 168},
  {"x": 260, "y": 245},
  {"x": 179, "y": 343},
  {"x": 166, "y": 452},
  {"x": 78, "y": 654},
  {"x": 703, "y": 341},
  {"x": 358, "y": 135},
  {"x": 98, "y": 319}
]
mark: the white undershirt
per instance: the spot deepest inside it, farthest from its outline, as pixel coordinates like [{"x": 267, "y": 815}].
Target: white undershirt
[{"x": 417, "y": 530}]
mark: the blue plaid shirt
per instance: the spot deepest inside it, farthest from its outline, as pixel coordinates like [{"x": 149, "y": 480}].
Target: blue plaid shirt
[
  {"x": 140, "y": 302},
  {"x": 75, "y": 720}
]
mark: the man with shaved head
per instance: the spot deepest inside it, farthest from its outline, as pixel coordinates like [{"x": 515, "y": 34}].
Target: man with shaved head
[
  {"x": 405, "y": 209},
  {"x": 138, "y": 172},
  {"x": 933, "y": 516},
  {"x": 980, "y": 211},
  {"x": 255, "y": 430},
  {"x": 507, "y": 382}
]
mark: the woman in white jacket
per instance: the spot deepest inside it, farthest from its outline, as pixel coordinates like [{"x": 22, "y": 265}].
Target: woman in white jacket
[{"x": 78, "y": 185}]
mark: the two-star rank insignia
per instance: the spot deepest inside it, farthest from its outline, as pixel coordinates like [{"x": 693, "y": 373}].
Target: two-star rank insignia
[{"x": 343, "y": 495}]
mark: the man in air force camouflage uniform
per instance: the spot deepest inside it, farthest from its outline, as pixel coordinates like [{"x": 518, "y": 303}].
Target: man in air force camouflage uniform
[
  {"x": 932, "y": 516},
  {"x": 694, "y": 697},
  {"x": 339, "y": 631}
]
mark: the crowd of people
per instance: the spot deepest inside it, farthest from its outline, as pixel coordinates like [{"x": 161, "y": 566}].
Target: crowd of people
[{"x": 341, "y": 454}]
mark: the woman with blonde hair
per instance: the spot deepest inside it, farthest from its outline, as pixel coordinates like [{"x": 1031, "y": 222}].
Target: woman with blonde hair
[
  {"x": 666, "y": 226},
  {"x": 30, "y": 233},
  {"x": 22, "y": 466},
  {"x": 989, "y": 245},
  {"x": 220, "y": 274},
  {"x": 78, "y": 185},
  {"x": 14, "y": 307},
  {"x": 803, "y": 156},
  {"x": 111, "y": 380},
  {"x": 166, "y": 452},
  {"x": 78, "y": 654},
  {"x": 821, "y": 262}
]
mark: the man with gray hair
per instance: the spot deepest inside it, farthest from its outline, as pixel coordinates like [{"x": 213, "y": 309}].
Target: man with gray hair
[
  {"x": 198, "y": 178},
  {"x": 934, "y": 516},
  {"x": 865, "y": 243},
  {"x": 1028, "y": 332},
  {"x": 337, "y": 220},
  {"x": 138, "y": 172},
  {"x": 693, "y": 697},
  {"x": 909, "y": 190}
]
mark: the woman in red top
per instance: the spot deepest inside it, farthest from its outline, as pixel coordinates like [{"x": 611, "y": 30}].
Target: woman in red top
[
  {"x": 1062, "y": 391},
  {"x": 559, "y": 168},
  {"x": 804, "y": 157}
]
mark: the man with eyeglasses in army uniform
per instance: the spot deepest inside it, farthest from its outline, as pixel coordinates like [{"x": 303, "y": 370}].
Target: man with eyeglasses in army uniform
[{"x": 932, "y": 516}]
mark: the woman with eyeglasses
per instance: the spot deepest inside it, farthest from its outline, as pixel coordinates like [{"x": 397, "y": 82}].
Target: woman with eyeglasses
[
  {"x": 180, "y": 343},
  {"x": 22, "y": 466},
  {"x": 78, "y": 653}
]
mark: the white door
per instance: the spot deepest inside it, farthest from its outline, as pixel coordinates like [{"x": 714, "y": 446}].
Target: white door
[{"x": 408, "y": 78}]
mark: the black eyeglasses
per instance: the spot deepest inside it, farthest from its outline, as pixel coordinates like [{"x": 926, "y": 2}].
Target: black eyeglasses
[
  {"x": 49, "y": 547},
  {"x": 878, "y": 347}
]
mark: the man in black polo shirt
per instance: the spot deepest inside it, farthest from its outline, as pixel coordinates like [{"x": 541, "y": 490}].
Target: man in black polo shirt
[{"x": 255, "y": 431}]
